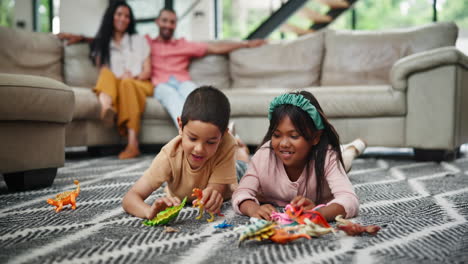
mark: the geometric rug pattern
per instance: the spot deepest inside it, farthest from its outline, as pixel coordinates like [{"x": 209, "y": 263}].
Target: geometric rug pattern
[{"x": 422, "y": 208}]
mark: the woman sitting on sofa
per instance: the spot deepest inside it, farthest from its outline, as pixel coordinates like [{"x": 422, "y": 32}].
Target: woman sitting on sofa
[{"x": 125, "y": 69}]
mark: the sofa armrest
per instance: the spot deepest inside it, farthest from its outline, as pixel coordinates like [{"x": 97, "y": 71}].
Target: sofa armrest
[
  {"x": 35, "y": 98},
  {"x": 423, "y": 61},
  {"x": 436, "y": 95}
]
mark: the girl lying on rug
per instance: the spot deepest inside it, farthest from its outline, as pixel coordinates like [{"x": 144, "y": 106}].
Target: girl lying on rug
[{"x": 299, "y": 162}]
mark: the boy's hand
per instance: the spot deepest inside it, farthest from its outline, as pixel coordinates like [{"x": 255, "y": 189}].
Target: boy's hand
[
  {"x": 160, "y": 204},
  {"x": 212, "y": 200},
  {"x": 306, "y": 203},
  {"x": 264, "y": 212}
]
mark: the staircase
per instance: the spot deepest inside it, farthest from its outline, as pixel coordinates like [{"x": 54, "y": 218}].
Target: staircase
[{"x": 320, "y": 13}]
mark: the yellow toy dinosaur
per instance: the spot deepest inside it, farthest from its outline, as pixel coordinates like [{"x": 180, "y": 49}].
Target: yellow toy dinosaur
[{"x": 68, "y": 197}]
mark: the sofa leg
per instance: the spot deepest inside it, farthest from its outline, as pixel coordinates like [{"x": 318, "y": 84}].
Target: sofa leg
[
  {"x": 29, "y": 180},
  {"x": 99, "y": 151},
  {"x": 436, "y": 154}
]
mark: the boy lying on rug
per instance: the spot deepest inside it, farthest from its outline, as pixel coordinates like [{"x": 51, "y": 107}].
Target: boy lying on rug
[{"x": 201, "y": 156}]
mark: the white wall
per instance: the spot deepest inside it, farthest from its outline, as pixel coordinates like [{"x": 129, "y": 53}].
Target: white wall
[
  {"x": 462, "y": 41},
  {"x": 81, "y": 16},
  {"x": 202, "y": 24},
  {"x": 198, "y": 25},
  {"x": 23, "y": 13}
]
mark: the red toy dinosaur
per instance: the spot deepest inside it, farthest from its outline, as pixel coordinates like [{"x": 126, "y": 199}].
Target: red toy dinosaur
[
  {"x": 354, "y": 229},
  {"x": 68, "y": 197},
  {"x": 199, "y": 194},
  {"x": 299, "y": 214}
]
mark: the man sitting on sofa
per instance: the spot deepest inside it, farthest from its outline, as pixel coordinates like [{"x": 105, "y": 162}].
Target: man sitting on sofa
[{"x": 170, "y": 59}]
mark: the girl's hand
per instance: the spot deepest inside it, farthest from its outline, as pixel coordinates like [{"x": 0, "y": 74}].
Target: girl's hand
[
  {"x": 301, "y": 201},
  {"x": 160, "y": 204},
  {"x": 264, "y": 212},
  {"x": 212, "y": 200}
]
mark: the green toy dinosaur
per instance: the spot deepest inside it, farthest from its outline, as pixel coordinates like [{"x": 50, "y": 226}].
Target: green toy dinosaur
[{"x": 166, "y": 216}]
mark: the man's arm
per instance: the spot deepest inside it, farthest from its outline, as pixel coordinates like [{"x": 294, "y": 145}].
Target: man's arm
[
  {"x": 226, "y": 47},
  {"x": 72, "y": 38}
]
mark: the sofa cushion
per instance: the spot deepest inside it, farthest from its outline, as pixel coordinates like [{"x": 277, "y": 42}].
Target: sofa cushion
[
  {"x": 34, "y": 98},
  {"x": 155, "y": 110},
  {"x": 337, "y": 102},
  {"x": 291, "y": 64},
  {"x": 24, "y": 52},
  {"x": 78, "y": 69},
  {"x": 211, "y": 70},
  {"x": 366, "y": 57},
  {"x": 86, "y": 104}
]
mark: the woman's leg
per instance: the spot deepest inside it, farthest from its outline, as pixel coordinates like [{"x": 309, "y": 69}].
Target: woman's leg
[
  {"x": 352, "y": 150},
  {"x": 106, "y": 88},
  {"x": 130, "y": 105}
]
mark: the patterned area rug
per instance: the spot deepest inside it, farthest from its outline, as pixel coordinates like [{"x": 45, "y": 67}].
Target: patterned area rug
[{"x": 422, "y": 208}]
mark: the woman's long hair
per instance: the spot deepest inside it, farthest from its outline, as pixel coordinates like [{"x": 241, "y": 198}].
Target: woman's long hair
[
  {"x": 305, "y": 127},
  {"x": 100, "y": 47}
]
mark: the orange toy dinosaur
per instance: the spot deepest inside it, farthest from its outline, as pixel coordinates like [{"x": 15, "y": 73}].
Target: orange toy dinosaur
[
  {"x": 282, "y": 236},
  {"x": 199, "y": 194},
  {"x": 68, "y": 197}
]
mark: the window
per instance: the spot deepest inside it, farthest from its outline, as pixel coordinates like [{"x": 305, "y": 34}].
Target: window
[
  {"x": 456, "y": 11},
  {"x": 240, "y": 17},
  {"x": 145, "y": 12},
  {"x": 6, "y": 12},
  {"x": 42, "y": 10}
]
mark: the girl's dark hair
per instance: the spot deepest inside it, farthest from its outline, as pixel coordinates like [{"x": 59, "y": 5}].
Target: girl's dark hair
[
  {"x": 207, "y": 104},
  {"x": 100, "y": 47},
  {"x": 305, "y": 127}
]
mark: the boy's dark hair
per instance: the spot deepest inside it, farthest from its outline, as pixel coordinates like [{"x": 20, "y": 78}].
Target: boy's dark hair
[
  {"x": 305, "y": 126},
  {"x": 207, "y": 104}
]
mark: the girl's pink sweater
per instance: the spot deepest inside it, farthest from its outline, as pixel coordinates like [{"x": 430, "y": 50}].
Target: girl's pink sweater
[{"x": 266, "y": 181}]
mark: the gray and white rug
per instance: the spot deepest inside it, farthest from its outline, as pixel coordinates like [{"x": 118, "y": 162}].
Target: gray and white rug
[{"x": 422, "y": 208}]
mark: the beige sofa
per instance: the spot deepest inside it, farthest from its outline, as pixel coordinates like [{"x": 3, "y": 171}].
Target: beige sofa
[{"x": 394, "y": 88}]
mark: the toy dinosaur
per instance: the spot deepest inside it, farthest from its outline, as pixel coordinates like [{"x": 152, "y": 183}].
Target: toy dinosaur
[
  {"x": 315, "y": 230},
  {"x": 282, "y": 236},
  {"x": 354, "y": 229},
  {"x": 68, "y": 197},
  {"x": 259, "y": 230},
  {"x": 299, "y": 215},
  {"x": 281, "y": 218},
  {"x": 197, "y": 203},
  {"x": 224, "y": 224},
  {"x": 167, "y": 215},
  {"x": 169, "y": 229},
  {"x": 262, "y": 230},
  {"x": 294, "y": 216}
]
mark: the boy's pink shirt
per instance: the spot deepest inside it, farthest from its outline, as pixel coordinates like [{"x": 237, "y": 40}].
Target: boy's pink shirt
[
  {"x": 266, "y": 181},
  {"x": 173, "y": 58}
]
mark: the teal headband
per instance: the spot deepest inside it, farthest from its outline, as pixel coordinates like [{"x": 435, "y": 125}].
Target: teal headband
[{"x": 299, "y": 101}]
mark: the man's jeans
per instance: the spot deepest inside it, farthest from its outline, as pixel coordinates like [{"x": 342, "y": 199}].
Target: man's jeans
[{"x": 172, "y": 95}]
